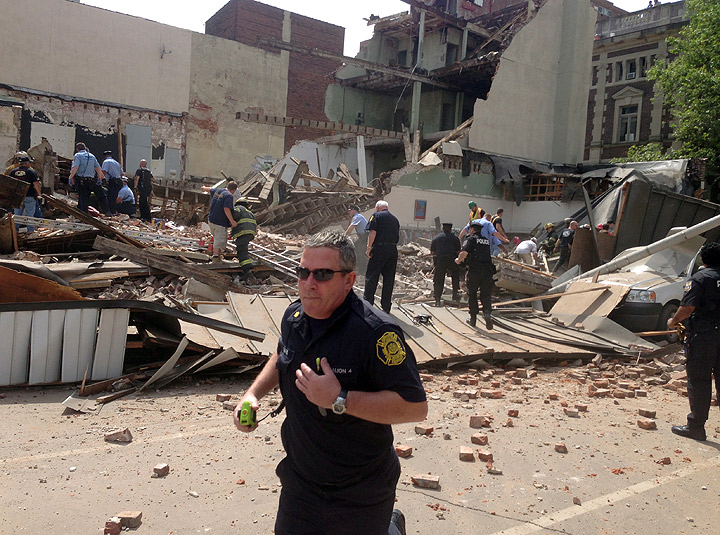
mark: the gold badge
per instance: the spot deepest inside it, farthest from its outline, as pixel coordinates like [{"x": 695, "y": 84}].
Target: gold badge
[
  {"x": 390, "y": 349},
  {"x": 688, "y": 286}
]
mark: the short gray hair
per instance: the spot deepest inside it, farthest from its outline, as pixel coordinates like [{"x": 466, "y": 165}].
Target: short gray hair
[
  {"x": 334, "y": 239},
  {"x": 381, "y": 204}
]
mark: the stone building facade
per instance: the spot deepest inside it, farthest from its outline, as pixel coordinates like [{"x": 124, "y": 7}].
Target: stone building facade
[{"x": 624, "y": 107}]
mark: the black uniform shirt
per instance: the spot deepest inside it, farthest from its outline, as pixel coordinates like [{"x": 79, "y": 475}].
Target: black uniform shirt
[
  {"x": 478, "y": 250},
  {"x": 445, "y": 244},
  {"x": 367, "y": 352},
  {"x": 566, "y": 237},
  {"x": 26, "y": 174},
  {"x": 386, "y": 226},
  {"x": 702, "y": 291}
]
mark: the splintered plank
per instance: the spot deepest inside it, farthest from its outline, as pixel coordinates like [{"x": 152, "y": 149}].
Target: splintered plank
[{"x": 169, "y": 265}]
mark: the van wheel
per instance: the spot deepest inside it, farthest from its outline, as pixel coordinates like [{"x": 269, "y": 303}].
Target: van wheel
[{"x": 667, "y": 312}]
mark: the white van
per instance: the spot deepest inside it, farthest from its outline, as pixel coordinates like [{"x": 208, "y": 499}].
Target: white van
[{"x": 656, "y": 285}]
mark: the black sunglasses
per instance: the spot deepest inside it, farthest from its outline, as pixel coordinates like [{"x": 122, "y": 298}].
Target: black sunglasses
[{"x": 320, "y": 275}]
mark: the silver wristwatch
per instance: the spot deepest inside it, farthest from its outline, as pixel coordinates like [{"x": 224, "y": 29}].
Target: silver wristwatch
[{"x": 339, "y": 406}]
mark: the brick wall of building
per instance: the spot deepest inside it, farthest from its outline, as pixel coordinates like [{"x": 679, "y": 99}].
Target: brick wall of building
[{"x": 308, "y": 78}]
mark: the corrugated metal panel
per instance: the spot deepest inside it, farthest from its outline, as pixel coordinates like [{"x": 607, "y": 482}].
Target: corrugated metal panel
[
  {"x": 110, "y": 349},
  {"x": 15, "y": 332},
  {"x": 79, "y": 343},
  {"x": 46, "y": 346}
]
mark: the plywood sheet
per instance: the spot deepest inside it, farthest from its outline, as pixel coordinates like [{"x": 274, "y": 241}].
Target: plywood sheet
[{"x": 591, "y": 303}]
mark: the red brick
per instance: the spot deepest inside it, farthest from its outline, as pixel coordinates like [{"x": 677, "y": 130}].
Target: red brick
[
  {"x": 403, "y": 451},
  {"x": 514, "y": 413},
  {"x": 421, "y": 429},
  {"x": 560, "y": 447},
  {"x": 647, "y": 413},
  {"x": 477, "y": 421},
  {"x": 479, "y": 439},
  {"x": 646, "y": 423},
  {"x": 223, "y": 397},
  {"x": 113, "y": 526},
  {"x": 426, "y": 377},
  {"x": 466, "y": 454},
  {"x": 130, "y": 519},
  {"x": 426, "y": 481},
  {"x": 484, "y": 455},
  {"x": 161, "y": 470}
]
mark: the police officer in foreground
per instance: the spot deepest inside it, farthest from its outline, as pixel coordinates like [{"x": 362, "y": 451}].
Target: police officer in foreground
[
  {"x": 243, "y": 233},
  {"x": 445, "y": 248},
  {"x": 476, "y": 255},
  {"x": 346, "y": 374},
  {"x": 700, "y": 306},
  {"x": 383, "y": 237}
]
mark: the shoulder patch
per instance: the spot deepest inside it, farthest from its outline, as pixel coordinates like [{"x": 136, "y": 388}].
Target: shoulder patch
[
  {"x": 390, "y": 349},
  {"x": 688, "y": 286}
]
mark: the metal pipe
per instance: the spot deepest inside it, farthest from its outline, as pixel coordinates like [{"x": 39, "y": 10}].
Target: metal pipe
[{"x": 653, "y": 248}]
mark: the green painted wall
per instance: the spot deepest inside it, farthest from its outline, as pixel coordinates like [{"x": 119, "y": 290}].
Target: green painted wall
[{"x": 437, "y": 179}]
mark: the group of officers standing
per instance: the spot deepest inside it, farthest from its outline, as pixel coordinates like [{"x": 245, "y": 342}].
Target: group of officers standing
[{"x": 109, "y": 185}]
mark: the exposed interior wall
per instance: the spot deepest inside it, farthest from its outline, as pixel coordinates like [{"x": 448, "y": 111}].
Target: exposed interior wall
[
  {"x": 67, "y": 48},
  {"x": 9, "y": 132},
  {"x": 537, "y": 105},
  {"x": 453, "y": 207},
  {"x": 228, "y": 77},
  {"x": 65, "y": 122}
]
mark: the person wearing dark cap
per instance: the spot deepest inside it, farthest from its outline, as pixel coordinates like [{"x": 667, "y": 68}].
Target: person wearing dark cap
[
  {"x": 112, "y": 171},
  {"x": 476, "y": 255},
  {"x": 33, "y": 194},
  {"x": 144, "y": 188},
  {"x": 125, "y": 200},
  {"x": 700, "y": 311},
  {"x": 445, "y": 248},
  {"x": 359, "y": 223}
]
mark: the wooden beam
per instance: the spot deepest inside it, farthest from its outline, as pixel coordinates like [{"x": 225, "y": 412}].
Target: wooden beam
[
  {"x": 455, "y": 133},
  {"x": 449, "y": 19},
  {"x": 365, "y": 64},
  {"x": 105, "y": 229},
  {"x": 150, "y": 258},
  {"x": 545, "y": 297}
]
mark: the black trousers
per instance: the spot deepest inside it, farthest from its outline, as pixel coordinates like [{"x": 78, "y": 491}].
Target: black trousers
[
  {"x": 362, "y": 508},
  {"x": 114, "y": 187},
  {"x": 445, "y": 265},
  {"x": 144, "y": 203},
  {"x": 564, "y": 256},
  {"x": 86, "y": 186},
  {"x": 702, "y": 351},
  {"x": 125, "y": 208},
  {"x": 480, "y": 278},
  {"x": 382, "y": 262},
  {"x": 243, "y": 256}
]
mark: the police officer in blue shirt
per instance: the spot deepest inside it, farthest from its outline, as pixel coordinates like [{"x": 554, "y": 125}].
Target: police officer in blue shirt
[
  {"x": 82, "y": 175},
  {"x": 384, "y": 235},
  {"x": 359, "y": 223},
  {"x": 700, "y": 310},
  {"x": 112, "y": 172},
  {"x": 125, "y": 201},
  {"x": 346, "y": 375}
]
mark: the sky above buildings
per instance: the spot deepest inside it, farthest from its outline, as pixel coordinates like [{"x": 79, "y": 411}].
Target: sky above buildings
[{"x": 349, "y": 14}]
